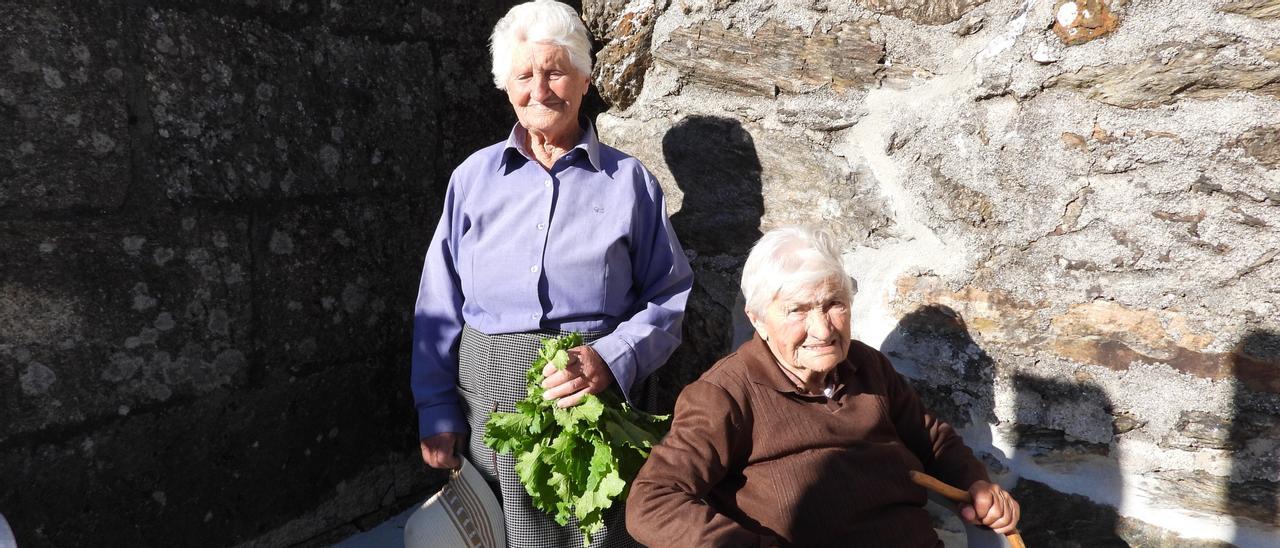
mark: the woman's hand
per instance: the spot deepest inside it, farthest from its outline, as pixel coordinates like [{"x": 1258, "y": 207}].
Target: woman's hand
[
  {"x": 440, "y": 450},
  {"x": 586, "y": 374},
  {"x": 992, "y": 506}
]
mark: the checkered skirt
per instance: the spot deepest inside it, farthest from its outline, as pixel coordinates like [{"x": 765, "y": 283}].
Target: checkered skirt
[{"x": 491, "y": 377}]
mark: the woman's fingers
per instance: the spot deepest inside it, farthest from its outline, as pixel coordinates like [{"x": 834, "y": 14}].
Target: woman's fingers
[
  {"x": 992, "y": 507},
  {"x": 1008, "y": 522},
  {"x": 585, "y": 374},
  {"x": 558, "y": 384},
  {"x": 440, "y": 450},
  {"x": 574, "y": 398}
]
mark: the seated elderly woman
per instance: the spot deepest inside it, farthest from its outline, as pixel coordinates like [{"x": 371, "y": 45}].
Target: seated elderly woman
[{"x": 803, "y": 436}]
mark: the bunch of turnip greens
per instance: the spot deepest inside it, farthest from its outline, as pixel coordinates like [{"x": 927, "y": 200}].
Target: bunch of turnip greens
[{"x": 574, "y": 461}]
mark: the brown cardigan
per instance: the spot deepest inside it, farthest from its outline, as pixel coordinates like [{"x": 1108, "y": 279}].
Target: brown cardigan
[{"x": 750, "y": 461}]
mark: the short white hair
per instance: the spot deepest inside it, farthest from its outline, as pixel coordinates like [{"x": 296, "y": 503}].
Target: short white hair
[
  {"x": 540, "y": 22},
  {"x": 790, "y": 260}
]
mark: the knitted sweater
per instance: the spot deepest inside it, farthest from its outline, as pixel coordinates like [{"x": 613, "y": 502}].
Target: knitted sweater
[{"x": 751, "y": 461}]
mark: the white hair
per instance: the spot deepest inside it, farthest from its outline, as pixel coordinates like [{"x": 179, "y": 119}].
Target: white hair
[
  {"x": 790, "y": 260},
  {"x": 540, "y": 22}
]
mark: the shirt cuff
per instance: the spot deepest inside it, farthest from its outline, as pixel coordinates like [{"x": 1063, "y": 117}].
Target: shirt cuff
[
  {"x": 437, "y": 419},
  {"x": 620, "y": 357}
]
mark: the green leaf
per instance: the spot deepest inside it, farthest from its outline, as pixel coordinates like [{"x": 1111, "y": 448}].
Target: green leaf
[
  {"x": 535, "y": 475},
  {"x": 560, "y": 359},
  {"x": 589, "y": 410},
  {"x": 507, "y": 432},
  {"x": 549, "y": 347},
  {"x": 573, "y": 462},
  {"x": 622, "y": 431}
]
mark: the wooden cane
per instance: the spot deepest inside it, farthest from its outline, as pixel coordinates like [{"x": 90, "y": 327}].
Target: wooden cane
[{"x": 956, "y": 495}]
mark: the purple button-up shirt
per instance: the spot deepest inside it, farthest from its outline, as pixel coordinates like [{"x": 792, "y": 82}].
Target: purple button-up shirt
[{"x": 584, "y": 246}]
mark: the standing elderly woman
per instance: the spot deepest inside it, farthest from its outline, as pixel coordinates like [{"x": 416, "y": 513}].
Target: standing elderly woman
[
  {"x": 803, "y": 436},
  {"x": 547, "y": 232}
]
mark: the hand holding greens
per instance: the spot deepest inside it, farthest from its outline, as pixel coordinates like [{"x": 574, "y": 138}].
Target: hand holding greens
[{"x": 574, "y": 461}]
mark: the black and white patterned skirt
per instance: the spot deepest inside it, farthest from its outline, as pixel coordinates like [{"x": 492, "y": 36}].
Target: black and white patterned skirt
[{"x": 491, "y": 377}]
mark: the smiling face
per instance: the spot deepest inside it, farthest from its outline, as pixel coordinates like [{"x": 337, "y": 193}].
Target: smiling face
[
  {"x": 545, "y": 89},
  {"x": 808, "y": 331}
]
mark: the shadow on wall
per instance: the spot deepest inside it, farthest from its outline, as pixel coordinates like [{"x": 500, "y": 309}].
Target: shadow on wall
[
  {"x": 1255, "y": 433},
  {"x": 1064, "y": 428},
  {"x": 714, "y": 163},
  {"x": 932, "y": 348},
  {"x": 1067, "y": 429}
]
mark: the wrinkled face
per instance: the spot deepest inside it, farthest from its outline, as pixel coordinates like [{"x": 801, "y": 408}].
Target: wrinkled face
[
  {"x": 545, "y": 89},
  {"x": 807, "y": 330}
]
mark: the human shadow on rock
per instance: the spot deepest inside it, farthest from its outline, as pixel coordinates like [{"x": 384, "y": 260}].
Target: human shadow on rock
[
  {"x": 714, "y": 163},
  {"x": 1255, "y": 436},
  {"x": 1056, "y": 422},
  {"x": 1068, "y": 428},
  {"x": 931, "y": 347}
]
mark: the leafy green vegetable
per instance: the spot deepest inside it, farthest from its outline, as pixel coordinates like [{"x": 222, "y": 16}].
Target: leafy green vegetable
[{"x": 574, "y": 462}]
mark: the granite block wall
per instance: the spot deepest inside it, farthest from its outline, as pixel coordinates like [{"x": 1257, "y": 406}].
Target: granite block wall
[{"x": 213, "y": 215}]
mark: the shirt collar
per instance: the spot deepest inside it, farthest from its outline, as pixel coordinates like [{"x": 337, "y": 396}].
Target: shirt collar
[
  {"x": 588, "y": 143},
  {"x": 763, "y": 369}
]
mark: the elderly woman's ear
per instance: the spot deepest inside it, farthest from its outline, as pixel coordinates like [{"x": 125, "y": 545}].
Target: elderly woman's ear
[{"x": 757, "y": 325}]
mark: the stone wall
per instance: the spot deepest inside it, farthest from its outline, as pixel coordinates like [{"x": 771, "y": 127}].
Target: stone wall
[
  {"x": 212, "y": 219},
  {"x": 1063, "y": 217}
]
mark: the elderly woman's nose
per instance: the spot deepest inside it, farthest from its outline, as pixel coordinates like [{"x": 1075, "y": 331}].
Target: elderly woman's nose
[
  {"x": 819, "y": 324},
  {"x": 541, "y": 87}
]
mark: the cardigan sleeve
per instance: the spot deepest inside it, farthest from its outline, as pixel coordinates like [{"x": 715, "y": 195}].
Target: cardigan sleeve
[{"x": 668, "y": 501}]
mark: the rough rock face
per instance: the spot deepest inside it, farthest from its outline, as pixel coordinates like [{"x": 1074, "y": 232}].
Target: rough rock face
[
  {"x": 625, "y": 30},
  {"x": 1178, "y": 69},
  {"x": 1079, "y": 21},
  {"x": 1070, "y": 250},
  {"x": 775, "y": 58},
  {"x": 928, "y": 12},
  {"x": 212, "y": 217},
  {"x": 63, "y": 97},
  {"x": 1261, "y": 143},
  {"x": 1262, "y": 9},
  {"x": 358, "y": 110}
]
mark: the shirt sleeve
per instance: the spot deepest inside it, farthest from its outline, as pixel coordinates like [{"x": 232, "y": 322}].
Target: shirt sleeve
[
  {"x": 662, "y": 278},
  {"x": 437, "y": 326},
  {"x": 935, "y": 442},
  {"x": 667, "y": 505}
]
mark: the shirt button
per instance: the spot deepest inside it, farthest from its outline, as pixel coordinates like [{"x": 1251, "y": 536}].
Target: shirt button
[
  {"x": 533, "y": 269},
  {"x": 542, "y": 226},
  {"x": 547, "y": 183},
  {"x": 535, "y": 316}
]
